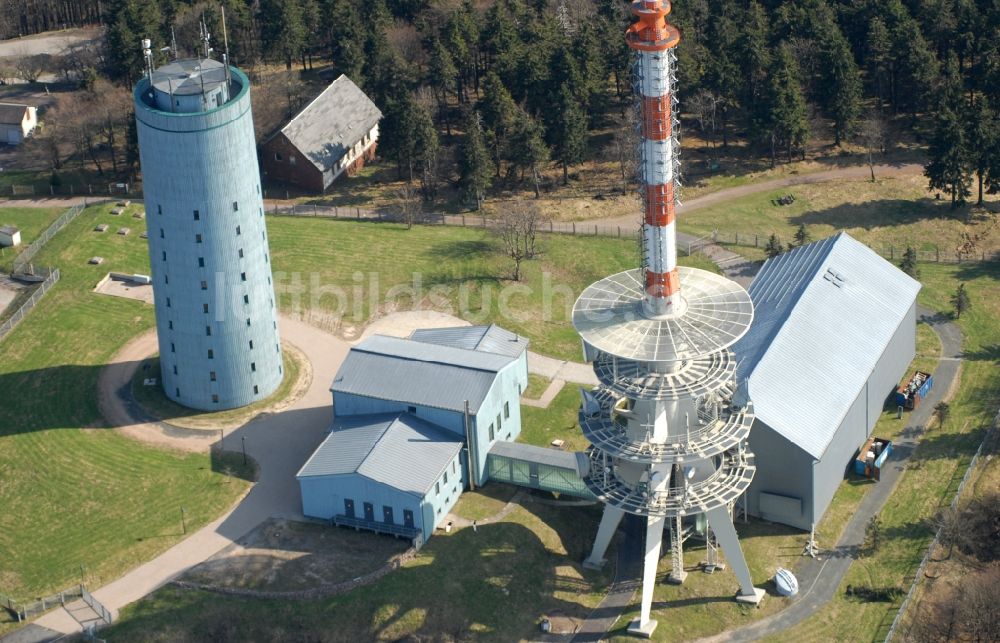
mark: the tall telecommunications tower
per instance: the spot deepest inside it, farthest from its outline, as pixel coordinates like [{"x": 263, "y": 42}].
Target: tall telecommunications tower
[
  {"x": 668, "y": 424},
  {"x": 215, "y": 310}
]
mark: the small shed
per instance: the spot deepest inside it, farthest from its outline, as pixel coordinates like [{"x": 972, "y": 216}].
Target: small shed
[
  {"x": 17, "y": 122},
  {"x": 9, "y": 236},
  {"x": 392, "y": 473}
]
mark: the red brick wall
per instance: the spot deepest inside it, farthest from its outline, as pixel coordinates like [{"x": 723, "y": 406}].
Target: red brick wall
[{"x": 303, "y": 173}]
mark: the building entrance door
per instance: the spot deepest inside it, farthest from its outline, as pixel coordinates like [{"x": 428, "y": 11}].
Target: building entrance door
[
  {"x": 369, "y": 511},
  {"x": 348, "y": 507},
  {"x": 387, "y": 514},
  {"x": 407, "y": 518}
]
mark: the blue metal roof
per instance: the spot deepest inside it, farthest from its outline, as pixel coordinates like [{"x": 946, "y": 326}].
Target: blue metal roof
[
  {"x": 398, "y": 450},
  {"x": 403, "y": 370},
  {"x": 824, "y": 314},
  {"x": 486, "y": 339}
]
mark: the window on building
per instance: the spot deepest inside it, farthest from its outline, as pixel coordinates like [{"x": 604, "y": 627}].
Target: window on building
[
  {"x": 211, "y": 354},
  {"x": 248, "y": 322},
  {"x": 246, "y": 299},
  {"x": 492, "y": 433},
  {"x": 168, "y": 302},
  {"x": 197, "y": 238},
  {"x": 197, "y": 216},
  {"x": 177, "y": 392},
  {"x": 499, "y": 426},
  {"x": 159, "y": 209},
  {"x": 454, "y": 467},
  {"x": 204, "y": 285},
  {"x": 238, "y": 232},
  {"x": 445, "y": 477},
  {"x": 437, "y": 488},
  {"x": 291, "y": 159},
  {"x": 253, "y": 367},
  {"x": 277, "y": 156},
  {"x": 161, "y": 233},
  {"x": 506, "y": 410},
  {"x": 243, "y": 276},
  {"x": 175, "y": 369},
  {"x": 211, "y": 376},
  {"x": 164, "y": 255},
  {"x": 166, "y": 279},
  {"x": 201, "y": 262},
  {"x": 215, "y": 398},
  {"x": 170, "y": 324},
  {"x": 236, "y": 206},
  {"x": 411, "y": 409},
  {"x": 208, "y": 330},
  {"x": 204, "y": 308},
  {"x": 172, "y": 350},
  {"x": 241, "y": 253},
  {"x": 255, "y": 391},
  {"x": 251, "y": 344}
]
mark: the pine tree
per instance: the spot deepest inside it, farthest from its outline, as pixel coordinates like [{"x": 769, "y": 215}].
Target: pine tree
[
  {"x": 984, "y": 140},
  {"x": 841, "y": 89},
  {"x": 785, "y": 119},
  {"x": 498, "y": 111},
  {"x": 802, "y": 236},
  {"x": 426, "y": 149},
  {"x": 128, "y": 22},
  {"x": 754, "y": 52},
  {"x": 283, "y": 30},
  {"x": 474, "y": 164},
  {"x": 879, "y": 48},
  {"x": 442, "y": 75},
  {"x": 909, "y": 263},
  {"x": 568, "y": 132},
  {"x": 773, "y": 247},
  {"x": 527, "y": 147},
  {"x": 960, "y": 301},
  {"x": 948, "y": 168},
  {"x": 345, "y": 36}
]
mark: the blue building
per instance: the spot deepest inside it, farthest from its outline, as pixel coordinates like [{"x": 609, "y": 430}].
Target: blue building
[
  {"x": 413, "y": 400},
  {"x": 834, "y": 331},
  {"x": 215, "y": 308},
  {"x": 394, "y": 469}
]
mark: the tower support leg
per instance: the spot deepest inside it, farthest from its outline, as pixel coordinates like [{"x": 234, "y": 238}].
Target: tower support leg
[
  {"x": 677, "y": 573},
  {"x": 722, "y": 524},
  {"x": 609, "y": 525},
  {"x": 643, "y": 625}
]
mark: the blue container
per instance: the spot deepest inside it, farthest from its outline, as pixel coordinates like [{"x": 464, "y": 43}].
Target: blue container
[{"x": 911, "y": 394}]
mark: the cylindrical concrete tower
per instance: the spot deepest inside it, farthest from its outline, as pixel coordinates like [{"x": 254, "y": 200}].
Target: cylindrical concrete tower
[
  {"x": 216, "y": 315},
  {"x": 668, "y": 424}
]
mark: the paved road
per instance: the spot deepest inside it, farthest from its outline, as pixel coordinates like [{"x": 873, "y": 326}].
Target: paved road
[
  {"x": 821, "y": 578},
  {"x": 280, "y": 443}
]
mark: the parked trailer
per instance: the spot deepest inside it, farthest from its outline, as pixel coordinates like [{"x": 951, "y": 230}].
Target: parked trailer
[
  {"x": 910, "y": 395},
  {"x": 872, "y": 456}
]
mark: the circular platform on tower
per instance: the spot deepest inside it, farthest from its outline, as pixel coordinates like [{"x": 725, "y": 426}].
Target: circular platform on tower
[{"x": 716, "y": 312}]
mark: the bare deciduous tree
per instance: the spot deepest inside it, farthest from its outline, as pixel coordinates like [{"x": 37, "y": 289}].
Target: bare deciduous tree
[
  {"x": 624, "y": 149},
  {"x": 408, "y": 205},
  {"x": 517, "y": 227},
  {"x": 29, "y": 67},
  {"x": 872, "y": 135}
]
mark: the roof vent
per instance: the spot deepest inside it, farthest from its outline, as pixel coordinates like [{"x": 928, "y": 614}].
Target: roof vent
[{"x": 834, "y": 277}]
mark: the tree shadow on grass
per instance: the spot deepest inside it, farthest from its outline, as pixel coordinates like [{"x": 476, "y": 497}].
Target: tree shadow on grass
[
  {"x": 466, "y": 249},
  {"x": 973, "y": 270},
  {"x": 874, "y": 214}
]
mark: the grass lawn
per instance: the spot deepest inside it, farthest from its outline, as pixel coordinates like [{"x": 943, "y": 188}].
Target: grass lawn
[
  {"x": 31, "y": 221},
  {"x": 536, "y": 386},
  {"x": 155, "y": 402},
  {"x": 75, "y": 494},
  {"x": 937, "y": 467},
  {"x": 340, "y": 274},
  {"x": 897, "y": 212},
  {"x": 559, "y": 421},
  {"x": 485, "y": 501},
  {"x": 493, "y": 584}
]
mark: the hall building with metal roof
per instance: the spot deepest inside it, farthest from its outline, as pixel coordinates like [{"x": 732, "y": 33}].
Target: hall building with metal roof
[{"x": 834, "y": 332}]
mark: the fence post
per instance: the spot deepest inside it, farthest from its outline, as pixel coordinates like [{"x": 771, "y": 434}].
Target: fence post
[
  {"x": 892, "y": 252},
  {"x": 619, "y": 232},
  {"x": 484, "y": 220},
  {"x": 756, "y": 241},
  {"x": 937, "y": 254},
  {"x": 315, "y": 213},
  {"x": 574, "y": 227}
]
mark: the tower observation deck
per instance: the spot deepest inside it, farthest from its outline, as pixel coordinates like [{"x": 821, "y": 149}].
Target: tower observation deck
[
  {"x": 215, "y": 307},
  {"x": 668, "y": 423}
]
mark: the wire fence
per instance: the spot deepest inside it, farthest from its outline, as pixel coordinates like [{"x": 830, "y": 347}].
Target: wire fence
[
  {"x": 25, "y": 611},
  {"x": 43, "y": 188},
  {"x": 889, "y": 251},
  {"x": 102, "y": 612},
  {"x": 36, "y": 296},
  {"x": 893, "y": 629},
  {"x": 29, "y": 253}
]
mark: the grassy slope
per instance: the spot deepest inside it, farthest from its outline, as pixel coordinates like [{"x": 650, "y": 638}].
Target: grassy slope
[
  {"x": 495, "y": 583},
  {"x": 893, "y": 211},
  {"x": 74, "y": 493}
]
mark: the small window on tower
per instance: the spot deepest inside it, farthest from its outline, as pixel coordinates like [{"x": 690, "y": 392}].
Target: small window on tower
[
  {"x": 277, "y": 156},
  {"x": 159, "y": 209},
  {"x": 164, "y": 255},
  {"x": 201, "y": 262},
  {"x": 197, "y": 216},
  {"x": 197, "y": 238},
  {"x": 166, "y": 279},
  {"x": 255, "y": 390},
  {"x": 248, "y": 322},
  {"x": 243, "y": 276},
  {"x": 251, "y": 344},
  {"x": 172, "y": 348},
  {"x": 211, "y": 354},
  {"x": 175, "y": 369},
  {"x": 238, "y": 233},
  {"x": 215, "y": 398},
  {"x": 211, "y": 375},
  {"x": 204, "y": 308},
  {"x": 204, "y": 285},
  {"x": 253, "y": 367},
  {"x": 241, "y": 253},
  {"x": 168, "y": 302},
  {"x": 170, "y": 325},
  {"x": 161, "y": 233},
  {"x": 246, "y": 299},
  {"x": 236, "y": 206},
  {"x": 208, "y": 331},
  {"x": 177, "y": 392}
]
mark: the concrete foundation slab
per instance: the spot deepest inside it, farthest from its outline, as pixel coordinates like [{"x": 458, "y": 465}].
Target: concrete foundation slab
[
  {"x": 751, "y": 599},
  {"x": 646, "y": 631}
]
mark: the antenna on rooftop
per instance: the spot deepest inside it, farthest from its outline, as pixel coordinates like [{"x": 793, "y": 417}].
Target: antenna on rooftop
[
  {"x": 225, "y": 44},
  {"x": 147, "y": 56},
  {"x": 173, "y": 43},
  {"x": 205, "y": 37}
]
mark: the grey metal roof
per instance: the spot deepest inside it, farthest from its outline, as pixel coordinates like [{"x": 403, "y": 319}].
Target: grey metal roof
[
  {"x": 531, "y": 453},
  {"x": 399, "y": 450},
  {"x": 487, "y": 339},
  {"x": 403, "y": 370},
  {"x": 189, "y": 76},
  {"x": 332, "y": 122},
  {"x": 8, "y": 229},
  {"x": 12, "y": 114},
  {"x": 824, "y": 314}
]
